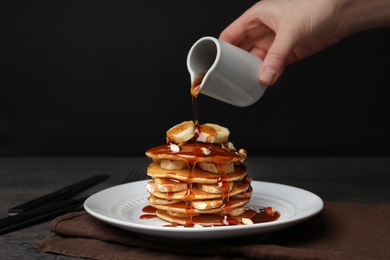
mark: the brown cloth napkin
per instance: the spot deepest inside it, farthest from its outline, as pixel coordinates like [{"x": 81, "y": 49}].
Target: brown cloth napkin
[{"x": 342, "y": 230}]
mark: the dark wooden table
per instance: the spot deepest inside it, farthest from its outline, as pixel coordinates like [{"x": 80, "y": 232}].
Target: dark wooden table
[{"x": 355, "y": 179}]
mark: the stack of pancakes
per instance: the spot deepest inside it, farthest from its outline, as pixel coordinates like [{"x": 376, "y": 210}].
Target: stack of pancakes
[{"x": 198, "y": 178}]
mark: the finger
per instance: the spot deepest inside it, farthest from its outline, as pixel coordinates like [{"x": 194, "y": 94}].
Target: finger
[
  {"x": 245, "y": 29},
  {"x": 259, "y": 52},
  {"x": 262, "y": 45},
  {"x": 277, "y": 57},
  {"x": 234, "y": 33}
]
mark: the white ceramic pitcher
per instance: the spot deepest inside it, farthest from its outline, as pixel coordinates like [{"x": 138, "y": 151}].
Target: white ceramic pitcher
[{"x": 231, "y": 73}]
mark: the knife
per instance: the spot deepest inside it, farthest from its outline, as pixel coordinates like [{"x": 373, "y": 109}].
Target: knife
[{"x": 58, "y": 195}]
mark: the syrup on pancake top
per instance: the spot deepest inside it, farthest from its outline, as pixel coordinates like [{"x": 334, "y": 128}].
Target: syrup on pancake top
[{"x": 199, "y": 178}]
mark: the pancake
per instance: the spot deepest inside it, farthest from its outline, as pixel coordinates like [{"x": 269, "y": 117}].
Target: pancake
[
  {"x": 195, "y": 152},
  {"x": 170, "y": 185},
  {"x": 204, "y": 220},
  {"x": 197, "y": 175},
  {"x": 182, "y": 206},
  {"x": 239, "y": 187}
]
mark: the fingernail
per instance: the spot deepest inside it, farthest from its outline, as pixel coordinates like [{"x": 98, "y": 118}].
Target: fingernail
[{"x": 267, "y": 76}]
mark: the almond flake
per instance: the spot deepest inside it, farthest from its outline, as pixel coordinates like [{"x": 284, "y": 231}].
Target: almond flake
[
  {"x": 197, "y": 226},
  {"x": 242, "y": 151},
  {"x": 247, "y": 221},
  {"x": 205, "y": 151},
  {"x": 174, "y": 148},
  {"x": 231, "y": 147}
]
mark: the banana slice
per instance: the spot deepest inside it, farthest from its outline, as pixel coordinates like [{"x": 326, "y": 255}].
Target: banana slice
[
  {"x": 154, "y": 200},
  {"x": 213, "y": 133},
  {"x": 206, "y": 204},
  {"x": 214, "y": 188},
  {"x": 170, "y": 185},
  {"x": 181, "y": 133},
  {"x": 237, "y": 211},
  {"x": 211, "y": 167},
  {"x": 173, "y": 165}
]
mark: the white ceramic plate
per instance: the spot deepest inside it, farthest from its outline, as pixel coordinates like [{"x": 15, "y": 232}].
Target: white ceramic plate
[{"x": 122, "y": 205}]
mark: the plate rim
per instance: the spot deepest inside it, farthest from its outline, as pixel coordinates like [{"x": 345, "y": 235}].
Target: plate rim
[{"x": 213, "y": 232}]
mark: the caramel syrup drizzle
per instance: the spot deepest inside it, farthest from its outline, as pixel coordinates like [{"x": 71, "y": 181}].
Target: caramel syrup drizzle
[
  {"x": 222, "y": 185},
  {"x": 195, "y": 88}
]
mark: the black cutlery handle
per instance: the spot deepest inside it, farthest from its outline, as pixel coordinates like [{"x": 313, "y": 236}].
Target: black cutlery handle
[
  {"x": 38, "y": 215},
  {"x": 58, "y": 195}
]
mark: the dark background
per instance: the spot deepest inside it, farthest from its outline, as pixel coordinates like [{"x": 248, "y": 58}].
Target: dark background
[{"x": 110, "y": 77}]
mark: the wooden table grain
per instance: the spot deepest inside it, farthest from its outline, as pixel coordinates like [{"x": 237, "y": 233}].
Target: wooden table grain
[{"x": 355, "y": 179}]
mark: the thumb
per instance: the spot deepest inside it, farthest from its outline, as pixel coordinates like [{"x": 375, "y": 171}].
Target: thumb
[{"x": 276, "y": 59}]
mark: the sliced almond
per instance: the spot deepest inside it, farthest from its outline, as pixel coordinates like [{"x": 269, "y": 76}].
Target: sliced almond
[{"x": 246, "y": 221}]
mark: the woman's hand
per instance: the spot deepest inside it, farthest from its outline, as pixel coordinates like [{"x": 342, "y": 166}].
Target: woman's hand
[{"x": 284, "y": 31}]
